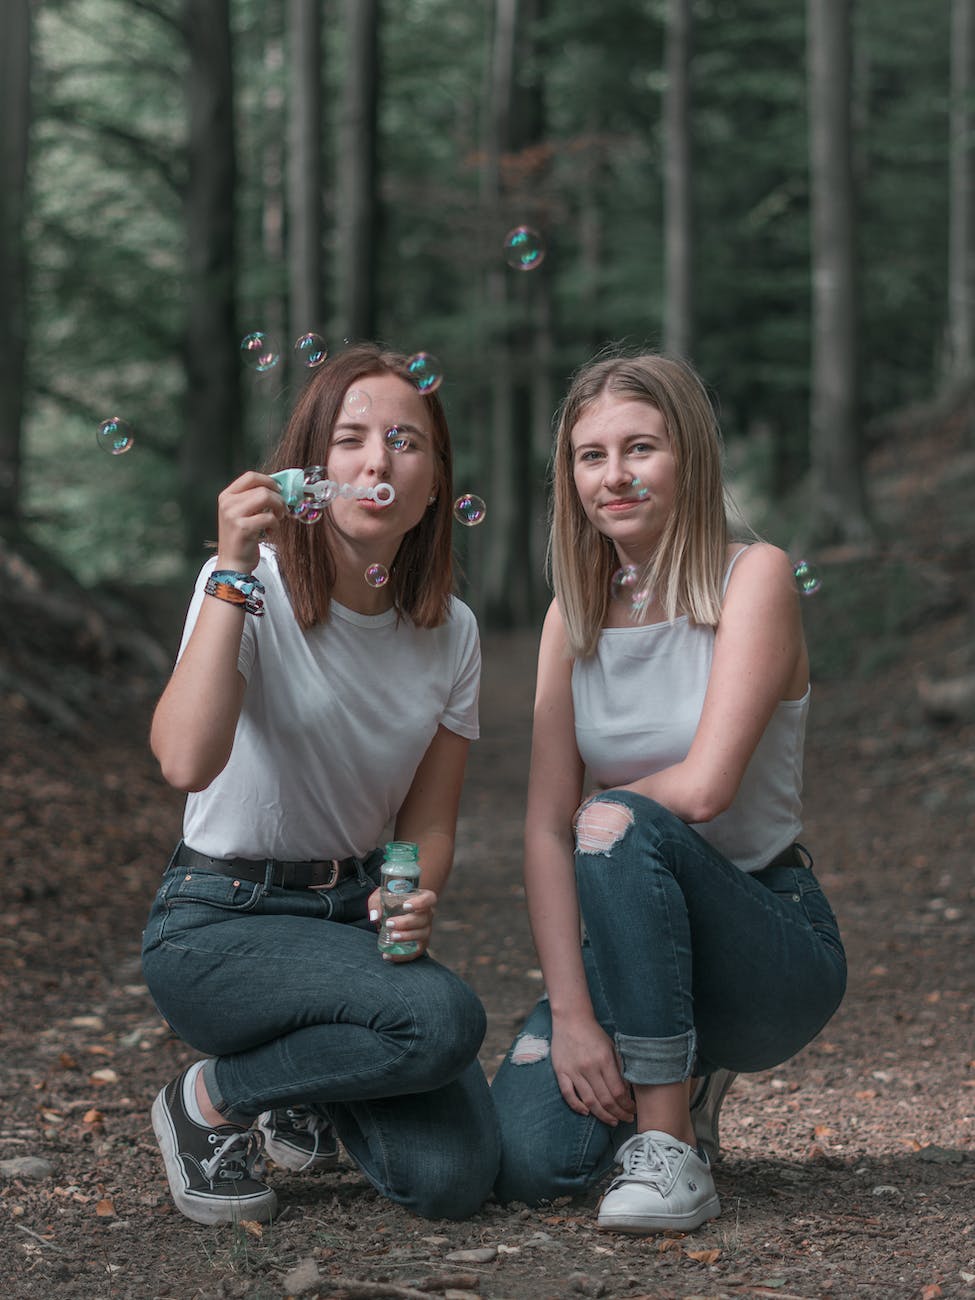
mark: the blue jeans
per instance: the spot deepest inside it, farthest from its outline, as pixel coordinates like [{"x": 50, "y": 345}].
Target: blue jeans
[
  {"x": 286, "y": 990},
  {"x": 692, "y": 965}
]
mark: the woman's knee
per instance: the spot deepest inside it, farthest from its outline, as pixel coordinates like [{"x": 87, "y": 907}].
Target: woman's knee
[{"x": 609, "y": 817}]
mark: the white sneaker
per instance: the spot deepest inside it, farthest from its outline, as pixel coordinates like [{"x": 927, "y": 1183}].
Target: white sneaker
[
  {"x": 705, "y": 1109},
  {"x": 664, "y": 1184}
]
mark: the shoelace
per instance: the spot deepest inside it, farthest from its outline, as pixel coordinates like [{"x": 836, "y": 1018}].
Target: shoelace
[
  {"x": 649, "y": 1161},
  {"x": 300, "y": 1117},
  {"x": 235, "y": 1157}
]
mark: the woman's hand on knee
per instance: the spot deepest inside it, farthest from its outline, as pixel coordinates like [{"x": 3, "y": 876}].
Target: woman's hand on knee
[
  {"x": 586, "y": 1067},
  {"x": 413, "y": 925}
]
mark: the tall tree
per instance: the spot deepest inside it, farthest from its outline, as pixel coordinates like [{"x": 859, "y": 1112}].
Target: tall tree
[
  {"x": 211, "y": 437},
  {"x": 961, "y": 213},
  {"x": 678, "y": 237},
  {"x": 305, "y": 168},
  {"x": 357, "y": 214},
  {"x": 839, "y": 510},
  {"x": 15, "y": 62}
]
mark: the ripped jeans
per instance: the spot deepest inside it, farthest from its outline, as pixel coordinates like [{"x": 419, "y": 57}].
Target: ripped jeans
[{"x": 692, "y": 965}]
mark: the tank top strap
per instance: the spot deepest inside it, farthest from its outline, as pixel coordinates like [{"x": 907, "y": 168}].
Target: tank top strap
[{"x": 731, "y": 564}]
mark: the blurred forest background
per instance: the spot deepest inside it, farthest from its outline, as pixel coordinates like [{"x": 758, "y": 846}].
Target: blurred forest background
[{"x": 782, "y": 191}]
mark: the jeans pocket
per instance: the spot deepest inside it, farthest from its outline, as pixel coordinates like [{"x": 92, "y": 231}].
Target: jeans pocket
[
  {"x": 805, "y": 892},
  {"x": 208, "y": 889}
]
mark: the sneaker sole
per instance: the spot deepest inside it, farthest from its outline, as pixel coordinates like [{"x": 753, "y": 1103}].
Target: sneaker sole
[
  {"x": 297, "y": 1161},
  {"x": 201, "y": 1209},
  {"x": 644, "y": 1223}
]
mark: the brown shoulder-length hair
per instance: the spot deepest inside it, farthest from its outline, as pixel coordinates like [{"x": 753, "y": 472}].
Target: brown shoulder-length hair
[
  {"x": 421, "y": 576},
  {"x": 687, "y": 567}
]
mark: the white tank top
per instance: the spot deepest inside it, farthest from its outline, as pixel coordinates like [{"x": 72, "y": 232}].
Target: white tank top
[{"x": 637, "y": 703}]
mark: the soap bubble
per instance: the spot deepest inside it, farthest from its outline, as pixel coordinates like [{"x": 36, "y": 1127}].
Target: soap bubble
[
  {"x": 357, "y": 401},
  {"x": 641, "y": 492},
  {"x": 808, "y": 580},
  {"x": 469, "y": 510},
  {"x": 259, "y": 352},
  {"x": 524, "y": 248},
  {"x": 115, "y": 436},
  {"x": 623, "y": 584},
  {"x": 396, "y": 439},
  {"x": 311, "y": 350},
  {"x": 377, "y": 575},
  {"x": 308, "y": 512},
  {"x": 424, "y": 369}
]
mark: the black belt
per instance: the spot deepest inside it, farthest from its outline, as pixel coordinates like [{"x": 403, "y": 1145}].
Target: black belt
[
  {"x": 286, "y": 875},
  {"x": 791, "y": 857}
]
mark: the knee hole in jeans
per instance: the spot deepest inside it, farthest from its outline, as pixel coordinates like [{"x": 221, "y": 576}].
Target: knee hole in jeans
[
  {"x": 529, "y": 1049},
  {"x": 601, "y": 826}
]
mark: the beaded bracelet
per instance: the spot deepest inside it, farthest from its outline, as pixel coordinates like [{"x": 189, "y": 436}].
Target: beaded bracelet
[{"x": 236, "y": 589}]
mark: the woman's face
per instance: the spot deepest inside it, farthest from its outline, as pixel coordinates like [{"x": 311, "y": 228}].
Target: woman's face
[
  {"x": 363, "y": 453},
  {"x": 624, "y": 472}
]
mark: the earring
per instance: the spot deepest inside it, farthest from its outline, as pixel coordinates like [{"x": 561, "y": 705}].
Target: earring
[{"x": 431, "y": 499}]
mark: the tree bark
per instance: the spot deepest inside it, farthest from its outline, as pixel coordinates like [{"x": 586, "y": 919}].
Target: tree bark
[
  {"x": 839, "y": 510},
  {"x": 15, "y": 61},
  {"x": 961, "y": 213},
  {"x": 678, "y": 232},
  {"x": 211, "y": 438},
  {"x": 305, "y": 173},
  {"x": 357, "y": 206}
]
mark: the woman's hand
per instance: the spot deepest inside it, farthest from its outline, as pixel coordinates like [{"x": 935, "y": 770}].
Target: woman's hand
[
  {"x": 250, "y": 506},
  {"x": 586, "y": 1067},
  {"x": 414, "y": 925}
]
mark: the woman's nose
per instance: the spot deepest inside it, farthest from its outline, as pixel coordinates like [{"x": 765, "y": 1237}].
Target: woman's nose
[{"x": 379, "y": 457}]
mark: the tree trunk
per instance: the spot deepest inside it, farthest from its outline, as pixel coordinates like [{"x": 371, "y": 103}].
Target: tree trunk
[
  {"x": 503, "y": 499},
  {"x": 838, "y": 506},
  {"x": 961, "y": 214},
  {"x": 305, "y": 173},
  {"x": 213, "y": 413},
  {"x": 15, "y": 60},
  {"x": 677, "y": 181},
  {"x": 357, "y": 203}
]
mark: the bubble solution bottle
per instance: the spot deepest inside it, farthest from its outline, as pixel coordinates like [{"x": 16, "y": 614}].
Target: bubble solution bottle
[{"x": 400, "y": 878}]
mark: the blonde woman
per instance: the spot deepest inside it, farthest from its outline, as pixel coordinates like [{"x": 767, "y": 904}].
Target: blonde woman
[{"x": 672, "y": 668}]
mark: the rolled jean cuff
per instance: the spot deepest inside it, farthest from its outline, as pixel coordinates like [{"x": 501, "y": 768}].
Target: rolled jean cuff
[
  {"x": 217, "y": 1099},
  {"x": 657, "y": 1060}
]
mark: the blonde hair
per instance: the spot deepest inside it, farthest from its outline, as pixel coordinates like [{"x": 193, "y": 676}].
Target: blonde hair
[
  {"x": 421, "y": 575},
  {"x": 688, "y": 564}
]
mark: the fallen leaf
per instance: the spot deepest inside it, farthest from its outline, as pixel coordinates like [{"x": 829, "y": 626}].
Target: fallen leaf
[
  {"x": 105, "y": 1209},
  {"x": 67, "y": 1061},
  {"x": 931, "y": 1291},
  {"x": 105, "y": 1075},
  {"x": 866, "y": 1094},
  {"x": 703, "y": 1256},
  {"x": 823, "y": 1130},
  {"x": 253, "y": 1227},
  {"x": 670, "y": 1243}
]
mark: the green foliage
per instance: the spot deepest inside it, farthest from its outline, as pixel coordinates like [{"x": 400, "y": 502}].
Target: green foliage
[{"x": 106, "y": 228}]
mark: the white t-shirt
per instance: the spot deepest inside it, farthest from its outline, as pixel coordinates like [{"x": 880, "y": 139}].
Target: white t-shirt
[{"x": 334, "y": 724}]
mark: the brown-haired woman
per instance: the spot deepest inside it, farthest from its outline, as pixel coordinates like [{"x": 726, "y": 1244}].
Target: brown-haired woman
[
  {"x": 673, "y": 668},
  {"x": 307, "y": 711}
]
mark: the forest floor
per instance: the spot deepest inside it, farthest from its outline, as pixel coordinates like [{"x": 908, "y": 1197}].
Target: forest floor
[{"x": 847, "y": 1171}]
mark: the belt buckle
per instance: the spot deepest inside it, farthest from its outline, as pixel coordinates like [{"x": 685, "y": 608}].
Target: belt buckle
[{"x": 333, "y": 879}]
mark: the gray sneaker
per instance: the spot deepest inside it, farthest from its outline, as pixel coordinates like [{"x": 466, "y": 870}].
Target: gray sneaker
[
  {"x": 705, "y": 1108},
  {"x": 665, "y": 1184},
  {"x": 210, "y": 1171},
  {"x": 296, "y": 1137}
]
